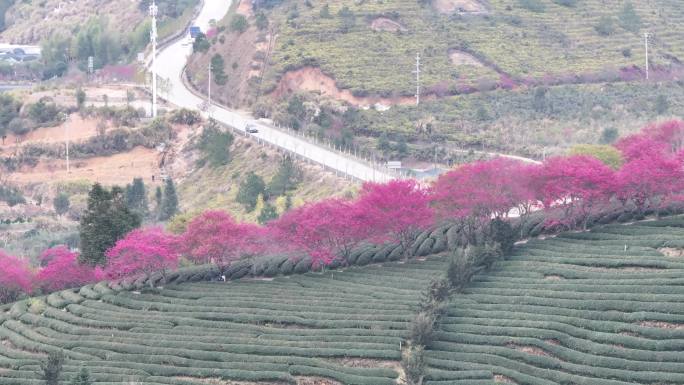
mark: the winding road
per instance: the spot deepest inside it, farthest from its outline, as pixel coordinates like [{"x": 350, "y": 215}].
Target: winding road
[{"x": 171, "y": 62}]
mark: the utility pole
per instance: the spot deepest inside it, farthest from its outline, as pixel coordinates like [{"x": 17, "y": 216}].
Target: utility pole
[
  {"x": 153, "y": 39},
  {"x": 417, "y": 78},
  {"x": 646, "y": 34},
  {"x": 66, "y": 133},
  {"x": 209, "y": 93}
]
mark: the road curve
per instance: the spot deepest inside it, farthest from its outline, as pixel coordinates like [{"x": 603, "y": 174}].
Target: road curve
[{"x": 171, "y": 62}]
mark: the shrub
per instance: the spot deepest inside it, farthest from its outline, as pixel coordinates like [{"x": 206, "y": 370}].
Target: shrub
[
  {"x": 532, "y": 5},
  {"x": 629, "y": 19},
  {"x": 420, "y": 331},
  {"x": 249, "y": 190},
  {"x": 185, "y": 116},
  {"x": 239, "y": 23},
  {"x": 413, "y": 362},
  {"x": 605, "y": 26},
  {"x": 566, "y": 3},
  {"x": 61, "y": 203},
  {"x": 215, "y": 145}
]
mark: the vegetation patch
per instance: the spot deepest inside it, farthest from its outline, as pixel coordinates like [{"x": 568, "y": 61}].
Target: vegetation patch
[
  {"x": 387, "y": 25},
  {"x": 449, "y": 7}
]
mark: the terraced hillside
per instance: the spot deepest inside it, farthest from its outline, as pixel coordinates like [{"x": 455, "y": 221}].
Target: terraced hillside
[
  {"x": 599, "y": 308},
  {"x": 372, "y": 46},
  {"x": 347, "y": 326}
]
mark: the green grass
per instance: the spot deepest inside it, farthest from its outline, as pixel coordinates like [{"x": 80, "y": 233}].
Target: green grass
[{"x": 571, "y": 309}]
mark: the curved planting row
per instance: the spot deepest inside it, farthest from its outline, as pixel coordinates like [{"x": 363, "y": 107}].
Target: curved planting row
[
  {"x": 250, "y": 330},
  {"x": 602, "y": 307}
]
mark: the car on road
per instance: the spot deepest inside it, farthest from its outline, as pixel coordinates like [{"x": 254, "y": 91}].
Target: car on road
[{"x": 251, "y": 129}]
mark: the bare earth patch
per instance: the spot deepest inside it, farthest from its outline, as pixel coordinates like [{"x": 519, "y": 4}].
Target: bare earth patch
[
  {"x": 218, "y": 381},
  {"x": 672, "y": 252},
  {"x": 387, "y": 25},
  {"x": 245, "y": 8},
  {"x": 533, "y": 350},
  {"x": 460, "y": 58},
  {"x": 498, "y": 378},
  {"x": 312, "y": 79},
  {"x": 625, "y": 269},
  {"x": 553, "y": 278},
  {"x": 553, "y": 341},
  {"x": 449, "y": 7},
  {"x": 316, "y": 381},
  {"x": 661, "y": 325}
]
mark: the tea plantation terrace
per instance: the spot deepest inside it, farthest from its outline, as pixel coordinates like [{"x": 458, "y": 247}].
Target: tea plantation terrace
[{"x": 602, "y": 307}]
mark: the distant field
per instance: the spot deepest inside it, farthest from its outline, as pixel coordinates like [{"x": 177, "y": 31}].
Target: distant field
[
  {"x": 522, "y": 38},
  {"x": 576, "y": 309}
]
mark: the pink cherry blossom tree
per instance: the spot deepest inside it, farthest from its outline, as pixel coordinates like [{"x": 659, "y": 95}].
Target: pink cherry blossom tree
[
  {"x": 397, "y": 211},
  {"x": 15, "y": 277},
  {"x": 649, "y": 181},
  {"x": 215, "y": 237},
  {"x": 61, "y": 270},
  {"x": 578, "y": 184},
  {"x": 325, "y": 230},
  {"x": 142, "y": 251}
]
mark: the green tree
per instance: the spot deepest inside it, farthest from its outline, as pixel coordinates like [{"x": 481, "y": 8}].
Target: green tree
[
  {"x": 402, "y": 147},
  {"x": 158, "y": 199},
  {"x": 606, "y": 154},
  {"x": 249, "y": 190},
  {"x": 261, "y": 21},
  {"x": 609, "y": 135},
  {"x": 9, "y": 110},
  {"x": 238, "y": 23},
  {"x": 169, "y": 205},
  {"x": 217, "y": 69},
  {"x": 136, "y": 197},
  {"x": 605, "y": 26},
  {"x": 215, "y": 145},
  {"x": 80, "y": 98},
  {"x": 201, "y": 44},
  {"x": 325, "y": 11},
  {"x": 347, "y": 19},
  {"x": 61, "y": 203},
  {"x": 286, "y": 178},
  {"x": 629, "y": 18},
  {"x": 267, "y": 214},
  {"x": 52, "y": 367},
  {"x": 19, "y": 126},
  {"x": 662, "y": 105},
  {"x": 106, "y": 220},
  {"x": 82, "y": 378}
]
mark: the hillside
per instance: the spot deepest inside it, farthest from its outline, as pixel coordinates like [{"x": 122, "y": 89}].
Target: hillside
[
  {"x": 29, "y": 22},
  {"x": 576, "y": 308},
  {"x": 519, "y": 76},
  {"x": 111, "y": 142}
]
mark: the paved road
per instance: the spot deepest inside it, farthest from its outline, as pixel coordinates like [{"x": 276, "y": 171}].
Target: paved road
[{"x": 170, "y": 64}]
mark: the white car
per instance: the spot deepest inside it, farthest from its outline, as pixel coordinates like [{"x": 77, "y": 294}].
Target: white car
[{"x": 251, "y": 129}]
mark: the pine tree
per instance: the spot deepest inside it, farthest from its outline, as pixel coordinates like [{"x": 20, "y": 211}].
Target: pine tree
[
  {"x": 82, "y": 378},
  {"x": 249, "y": 190},
  {"x": 158, "y": 198},
  {"x": 106, "y": 220},
  {"x": 169, "y": 204},
  {"x": 136, "y": 197},
  {"x": 61, "y": 203},
  {"x": 286, "y": 178}
]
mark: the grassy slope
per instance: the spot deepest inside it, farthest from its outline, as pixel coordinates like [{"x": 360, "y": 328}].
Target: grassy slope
[
  {"x": 573, "y": 309},
  {"x": 217, "y": 188},
  {"x": 251, "y": 330}
]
